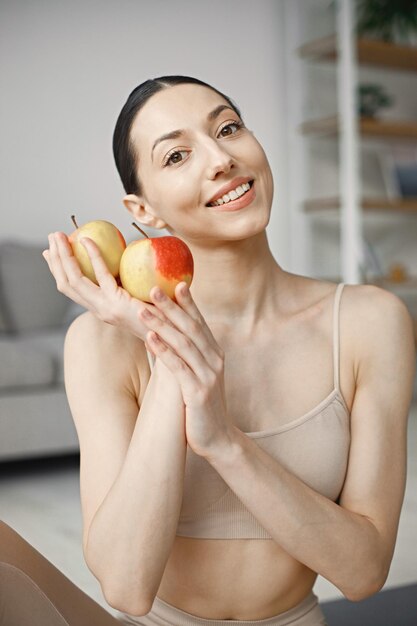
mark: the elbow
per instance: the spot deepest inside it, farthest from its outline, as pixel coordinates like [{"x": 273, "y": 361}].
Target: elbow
[
  {"x": 136, "y": 607},
  {"x": 119, "y": 592},
  {"x": 366, "y": 585},
  {"x": 122, "y": 598}
]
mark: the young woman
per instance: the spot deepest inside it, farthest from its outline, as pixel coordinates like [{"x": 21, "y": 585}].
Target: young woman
[{"x": 245, "y": 437}]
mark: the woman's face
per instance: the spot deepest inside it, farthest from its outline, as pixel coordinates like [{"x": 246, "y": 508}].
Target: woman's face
[{"x": 189, "y": 145}]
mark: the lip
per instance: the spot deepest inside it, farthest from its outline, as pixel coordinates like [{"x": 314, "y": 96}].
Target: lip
[
  {"x": 239, "y": 203},
  {"x": 228, "y": 187}
]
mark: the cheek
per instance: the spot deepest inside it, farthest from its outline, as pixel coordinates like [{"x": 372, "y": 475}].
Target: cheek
[
  {"x": 258, "y": 155},
  {"x": 174, "y": 197},
  {"x": 261, "y": 161}
]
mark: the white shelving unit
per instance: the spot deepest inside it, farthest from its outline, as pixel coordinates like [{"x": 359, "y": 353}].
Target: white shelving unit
[
  {"x": 349, "y": 155},
  {"x": 347, "y": 52},
  {"x": 350, "y": 210}
]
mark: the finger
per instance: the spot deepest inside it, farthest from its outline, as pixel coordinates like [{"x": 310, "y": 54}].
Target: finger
[
  {"x": 187, "y": 318},
  {"x": 180, "y": 344},
  {"x": 185, "y": 299},
  {"x": 104, "y": 278},
  {"x": 56, "y": 268},
  {"x": 69, "y": 271},
  {"x": 175, "y": 363},
  {"x": 72, "y": 266}
]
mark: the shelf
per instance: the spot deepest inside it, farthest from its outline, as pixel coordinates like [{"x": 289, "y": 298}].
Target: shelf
[
  {"x": 368, "y": 126},
  {"x": 369, "y": 52},
  {"x": 406, "y": 205}
]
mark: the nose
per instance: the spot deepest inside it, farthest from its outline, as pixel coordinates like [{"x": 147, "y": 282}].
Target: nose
[{"x": 218, "y": 159}]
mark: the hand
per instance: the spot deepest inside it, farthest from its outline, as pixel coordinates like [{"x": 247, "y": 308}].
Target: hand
[
  {"x": 108, "y": 301},
  {"x": 188, "y": 348}
]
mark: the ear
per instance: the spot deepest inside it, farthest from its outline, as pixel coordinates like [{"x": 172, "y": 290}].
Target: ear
[{"x": 141, "y": 211}]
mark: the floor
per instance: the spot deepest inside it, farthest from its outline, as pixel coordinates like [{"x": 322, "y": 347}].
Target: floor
[{"x": 40, "y": 500}]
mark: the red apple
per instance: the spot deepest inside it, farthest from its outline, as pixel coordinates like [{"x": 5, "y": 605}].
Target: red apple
[
  {"x": 109, "y": 240},
  {"x": 162, "y": 261}
]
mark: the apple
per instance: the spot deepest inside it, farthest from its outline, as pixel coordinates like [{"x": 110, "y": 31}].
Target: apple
[
  {"x": 161, "y": 261},
  {"x": 109, "y": 240}
]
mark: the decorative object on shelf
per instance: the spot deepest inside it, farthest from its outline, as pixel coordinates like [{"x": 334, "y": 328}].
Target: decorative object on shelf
[
  {"x": 399, "y": 171},
  {"x": 397, "y": 273},
  {"x": 372, "y": 98},
  {"x": 370, "y": 267},
  {"x": 389, "y": 20}
]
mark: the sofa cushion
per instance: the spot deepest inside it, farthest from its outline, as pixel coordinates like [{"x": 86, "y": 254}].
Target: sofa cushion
[
  {"x": 4, "y": 326},
  {"x": 29, "y": 296},
  {"x": 24, "y": 366},
  {"x": 50, "y": 343}
]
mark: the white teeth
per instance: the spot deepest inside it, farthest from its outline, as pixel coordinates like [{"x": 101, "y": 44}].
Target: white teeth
[{"x": 232, "y": 195}]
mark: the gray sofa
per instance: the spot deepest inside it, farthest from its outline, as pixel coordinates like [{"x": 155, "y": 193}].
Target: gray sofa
[{"x": 35, "y": 419}]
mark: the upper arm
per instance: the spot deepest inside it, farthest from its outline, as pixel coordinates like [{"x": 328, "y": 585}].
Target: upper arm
[
  {"x": 101, "y": 365},
  {"x": 385, "y": 369}
]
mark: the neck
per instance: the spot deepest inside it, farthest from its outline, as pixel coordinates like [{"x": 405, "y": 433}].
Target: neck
[{"x": 237, "y": 282}]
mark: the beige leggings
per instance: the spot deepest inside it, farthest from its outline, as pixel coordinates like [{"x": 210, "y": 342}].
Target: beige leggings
[
  {"x": 306, "y": 613},
  {"x": 33, "y": 592}
]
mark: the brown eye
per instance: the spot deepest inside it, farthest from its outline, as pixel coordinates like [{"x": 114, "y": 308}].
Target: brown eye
[
  {"x": 227, "y": 130},
  {"x": 175, "y": 157}
]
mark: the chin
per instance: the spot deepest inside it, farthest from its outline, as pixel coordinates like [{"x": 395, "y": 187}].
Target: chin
[{"x": 248, "y": 228}]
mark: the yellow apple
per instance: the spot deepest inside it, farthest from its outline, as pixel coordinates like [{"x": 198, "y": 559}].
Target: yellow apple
[
  {"x": 162, "y": 261},
  {"x": 109, "y": 240}
]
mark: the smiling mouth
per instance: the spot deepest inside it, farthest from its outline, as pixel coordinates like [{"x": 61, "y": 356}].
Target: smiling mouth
[{"x": 240, "y": 191}]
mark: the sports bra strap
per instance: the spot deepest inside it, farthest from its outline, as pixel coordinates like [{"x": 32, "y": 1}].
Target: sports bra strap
[{"x": 336, "y": 335}]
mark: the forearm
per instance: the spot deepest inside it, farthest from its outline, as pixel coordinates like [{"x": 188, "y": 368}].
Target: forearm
[
  {"x": 131, "y": 535},
  {"x": 338, "y": 544}
]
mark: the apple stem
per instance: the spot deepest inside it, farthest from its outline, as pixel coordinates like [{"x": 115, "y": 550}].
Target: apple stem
[
  {"x": 73, "y": 221},
  {"x": 142, "y": 231}
]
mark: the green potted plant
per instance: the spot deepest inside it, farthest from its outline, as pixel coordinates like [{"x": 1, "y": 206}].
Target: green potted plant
[
  {"x": 389, "y": 20},
  {"x": 372, "y": 98}
]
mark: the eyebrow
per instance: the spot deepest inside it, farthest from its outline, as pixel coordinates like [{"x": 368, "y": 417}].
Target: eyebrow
[{"x": 178, "y": 133}]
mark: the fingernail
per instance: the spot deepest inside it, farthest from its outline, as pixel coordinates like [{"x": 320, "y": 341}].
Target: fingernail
[{"x": 159, "y": 294}]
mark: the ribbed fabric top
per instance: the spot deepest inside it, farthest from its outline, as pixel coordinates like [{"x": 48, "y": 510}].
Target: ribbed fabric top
[{"x": 314, "y": 447}]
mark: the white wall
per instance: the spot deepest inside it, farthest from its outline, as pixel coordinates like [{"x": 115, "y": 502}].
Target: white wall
[{"x": 68, "y": 67}]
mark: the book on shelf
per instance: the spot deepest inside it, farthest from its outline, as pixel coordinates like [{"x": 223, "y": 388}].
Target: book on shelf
[
  {"x": 398, "y": 165},
  {"x": 370, "y": 265}
]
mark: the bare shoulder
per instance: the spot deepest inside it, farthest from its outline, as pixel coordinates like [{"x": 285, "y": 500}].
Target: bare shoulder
[
  {"x": 372, "y": 310},
  {"x": 378, "y": 323},
  {"x": 119, "y": 352}
]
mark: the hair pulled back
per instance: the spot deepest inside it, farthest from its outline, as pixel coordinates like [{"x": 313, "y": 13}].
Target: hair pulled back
[{"x": 123, "y": 150}]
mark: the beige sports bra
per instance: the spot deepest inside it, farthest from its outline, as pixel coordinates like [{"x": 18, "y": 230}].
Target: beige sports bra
[{"x": 314, "y": 447}]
